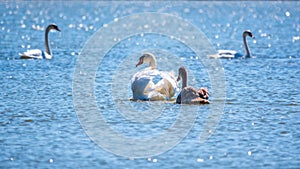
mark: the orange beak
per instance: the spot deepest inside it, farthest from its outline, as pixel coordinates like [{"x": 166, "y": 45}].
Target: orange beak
[{"x": 140, "y": 62}]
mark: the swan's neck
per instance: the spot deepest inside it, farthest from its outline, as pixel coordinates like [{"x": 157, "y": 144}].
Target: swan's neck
[
  {"x": 47, "y": 41},
  {"x": 152, "y": 62},
  {"x": 247, "y": 51},
  {"x": 184, "y": 78}
]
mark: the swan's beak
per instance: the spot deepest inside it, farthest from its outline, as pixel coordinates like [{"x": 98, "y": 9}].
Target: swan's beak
[
  {"x": 178, "y": 79},
  {"x": 140, "y": 62},
  {"x": 58, "y": 29}
]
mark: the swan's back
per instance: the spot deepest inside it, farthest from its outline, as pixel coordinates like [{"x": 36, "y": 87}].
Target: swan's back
[
  {"x": 32, "y": 54},
  {"x": 168, "y": 83},
  {"x": 151, "y": 84},
  {"x": 229, "y": 54},
  {"x": 35, "y": 54},
  {"x": 232, "y": 53}
]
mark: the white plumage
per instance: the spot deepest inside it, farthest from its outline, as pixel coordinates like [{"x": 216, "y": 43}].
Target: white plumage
[
  {"x": 228, "y": 54},
  {"x": 152, "y": 84},
  {"x": 37, "y": 53}
]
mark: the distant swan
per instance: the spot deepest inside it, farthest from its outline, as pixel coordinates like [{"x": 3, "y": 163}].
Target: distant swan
[
  {"x": 152, "y": 84},
  {"x": 37, "y": 53},
  {"x": 188, "y": 94},
  {"x": 235, "y": 54}
]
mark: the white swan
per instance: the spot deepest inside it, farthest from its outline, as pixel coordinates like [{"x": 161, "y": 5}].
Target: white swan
[
  {"x": 188, "y": 94},
  {"x": 37, "y": 53},
  {"x": 152, "y": 84},
  {"x": 233, "y": 53}
]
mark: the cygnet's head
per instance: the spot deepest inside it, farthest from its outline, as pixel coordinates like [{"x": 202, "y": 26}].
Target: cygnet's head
[{"x": 181, "y": 73}]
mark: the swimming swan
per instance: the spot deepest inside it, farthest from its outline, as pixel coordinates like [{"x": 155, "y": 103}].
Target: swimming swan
[
  {"x": 188, "y": 94},
  {"x": 233, "y": 53},
  {"x": 37, "y": 53},
  {"x": 152, "y": 84}
]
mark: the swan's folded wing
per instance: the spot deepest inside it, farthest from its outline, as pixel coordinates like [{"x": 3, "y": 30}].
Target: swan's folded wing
[
  {"x": 189, "y": 95},
  {"x": 171, "y": 81},
  {"x": 146, "y": 73},
  {"x": 170, "y": 76},
  {"x": 199, "y": 101},
  {"x": 153, "y": 84},
  {"x": 142, "y": 85},
  {"x": 227, "y": 52},
  {"x": 32, "y": 54},
  {"x": 167, "y": 85},
  {"x": 139, "y": 83}
]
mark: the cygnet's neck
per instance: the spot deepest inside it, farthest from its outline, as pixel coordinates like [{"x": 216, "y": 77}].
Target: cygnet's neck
[{"x": 183, "y": 74}]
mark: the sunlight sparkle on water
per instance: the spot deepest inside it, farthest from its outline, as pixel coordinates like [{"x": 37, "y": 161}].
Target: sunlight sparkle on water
[
  {"x": 72, "y": 26},
  {"x": 263, "y": 35},
  {"x": 200, "y": 160},
  {"x": 49, "y": 118},
  {"x": 295, "y": 38},
  {"x": 186, "y": 10}
]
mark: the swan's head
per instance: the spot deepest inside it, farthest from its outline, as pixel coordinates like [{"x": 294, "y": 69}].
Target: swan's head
[
  {"x": 182, "y": 73},
  {"x": 248, "y": 33},
  {"x": 53, "y": 26},
  {"x": 147, "y": 58}
]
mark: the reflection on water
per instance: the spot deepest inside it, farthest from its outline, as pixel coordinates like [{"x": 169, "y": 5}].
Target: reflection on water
[{"x": 260, "y": 125}]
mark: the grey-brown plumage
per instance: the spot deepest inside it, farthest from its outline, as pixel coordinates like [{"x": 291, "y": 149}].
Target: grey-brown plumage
[{"x": 188, "y": 94}]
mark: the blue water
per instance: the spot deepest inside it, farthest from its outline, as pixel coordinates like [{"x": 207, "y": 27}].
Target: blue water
[{"x": 39, "y": 126}]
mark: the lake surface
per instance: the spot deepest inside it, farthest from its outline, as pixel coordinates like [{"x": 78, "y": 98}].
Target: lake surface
[{"x": 40, "y": 126}]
